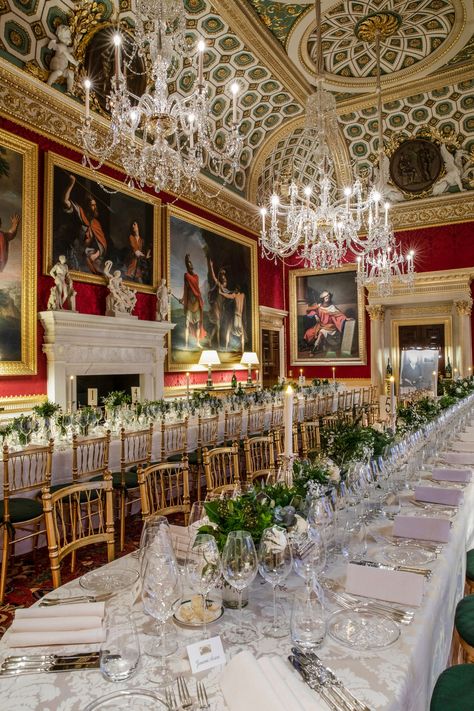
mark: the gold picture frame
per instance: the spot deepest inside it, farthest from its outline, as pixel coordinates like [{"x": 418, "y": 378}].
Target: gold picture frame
[
  {"x": 344, "y": 341},
  {"x": 18, "y": 275},
  {"x": 57, "y": 239},
  {"x": 240, "y": 263}
]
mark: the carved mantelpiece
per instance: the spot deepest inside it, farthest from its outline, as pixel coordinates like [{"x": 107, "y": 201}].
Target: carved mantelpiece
[{"x": 81, "y": 344}]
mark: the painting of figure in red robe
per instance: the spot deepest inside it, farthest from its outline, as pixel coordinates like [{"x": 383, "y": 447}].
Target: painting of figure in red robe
[
  {"x": 211, "y": 273},
  {"x": 92, "y": 220},
  {"x": 326, "y": 317}
]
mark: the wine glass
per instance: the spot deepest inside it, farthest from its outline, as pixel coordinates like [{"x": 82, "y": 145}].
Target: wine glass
[
  {"x": 274, "y": 563},
  {"x": 203, "y": 566},
  {"x": 310, "y": 556},
  {"x": 161, "y": 595},
  {"x": 239, "y": 568}
]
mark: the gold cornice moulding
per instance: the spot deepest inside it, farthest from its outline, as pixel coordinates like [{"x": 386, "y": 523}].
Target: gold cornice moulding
[
  {"x": 35, "y": 105},
  {"x": 15, "y": 404}
]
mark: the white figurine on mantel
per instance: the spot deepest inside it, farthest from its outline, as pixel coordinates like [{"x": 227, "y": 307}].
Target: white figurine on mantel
[
  {"x": 162, "y": 301},
  {"x": 120, "y": 300},
  {"x": 62, "y": 293},
  {"x": 62, "y": 58}
]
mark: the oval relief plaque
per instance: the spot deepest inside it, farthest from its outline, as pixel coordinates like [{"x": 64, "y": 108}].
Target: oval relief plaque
[{"x": 416, "y": 165}]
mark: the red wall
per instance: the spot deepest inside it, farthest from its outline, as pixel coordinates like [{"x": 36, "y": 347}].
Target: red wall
[
  {"x": 436, "y": 248},
  {"x": 91, "y": 297}
]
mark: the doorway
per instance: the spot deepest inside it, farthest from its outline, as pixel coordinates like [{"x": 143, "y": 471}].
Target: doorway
[{"x": 270, "y": 357}]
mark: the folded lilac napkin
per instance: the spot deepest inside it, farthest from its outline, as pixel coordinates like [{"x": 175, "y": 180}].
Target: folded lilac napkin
[
  {"x": 457, "y": 475},
  {"x": 464, "y": 446},
  {"x": 422, "y": 528},
  {"x": 438, "y": 495},
  {"x": 390, "y": 585},
  {"x": 459, "y": 457}
]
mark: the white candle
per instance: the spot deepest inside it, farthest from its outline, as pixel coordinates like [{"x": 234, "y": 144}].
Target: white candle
[
  {"x": 71, "y": 392},
  {"x": 288, "y": 421},
  {"x": 201, "y": 48},
  {"x": 187, "y": 385},
  {"x": 334, "y": 375},
  {"x": 392, "y": 398},
  {"x": 118, "y": 56},
  {"x": 87, "y": 87},
  {"x": 386, "y": 214},
  {"x": 235, "y": 90},
  {"x": 435, "y": 384},
  {"x": 263, "y": 213}
]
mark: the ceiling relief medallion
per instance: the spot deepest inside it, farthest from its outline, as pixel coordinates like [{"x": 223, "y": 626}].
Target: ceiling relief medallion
[{"x": 415, "y": 166}]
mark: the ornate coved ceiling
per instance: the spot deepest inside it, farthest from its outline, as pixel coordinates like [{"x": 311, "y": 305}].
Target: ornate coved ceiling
[{"x": 268, "y": 47}]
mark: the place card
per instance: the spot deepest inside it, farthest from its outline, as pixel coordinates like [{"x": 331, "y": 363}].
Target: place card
[{"x": 206, "y": 654}]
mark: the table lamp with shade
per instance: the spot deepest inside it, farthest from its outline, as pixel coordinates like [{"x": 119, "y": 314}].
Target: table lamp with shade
[
  {"x": 249, "y": 359},
  {"x": 209, "y": 358}
]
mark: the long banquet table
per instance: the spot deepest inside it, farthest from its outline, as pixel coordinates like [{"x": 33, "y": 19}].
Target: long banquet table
[{"x": 397, "y": 678}]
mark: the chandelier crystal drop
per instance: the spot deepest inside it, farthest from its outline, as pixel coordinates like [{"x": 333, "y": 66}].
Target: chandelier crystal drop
[{"x": 177, "y": 133}]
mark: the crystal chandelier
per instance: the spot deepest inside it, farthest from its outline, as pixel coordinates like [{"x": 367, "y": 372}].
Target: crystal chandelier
[
  {"x": 381, "y": 262},
  {"x": 177, "y": 133},
  {"x": 305, "y": 220}
]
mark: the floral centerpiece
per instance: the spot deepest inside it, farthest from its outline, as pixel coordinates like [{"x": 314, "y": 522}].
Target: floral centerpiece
[
  {"x": 116, "y": 398},
  {"x": 346, "y": 442}
]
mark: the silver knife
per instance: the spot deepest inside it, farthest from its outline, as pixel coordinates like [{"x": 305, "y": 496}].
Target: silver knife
[
  {"x": 52, "y": 668},
  {"x": 398, "y": 568},
  {"x": 313, "y": 684}
]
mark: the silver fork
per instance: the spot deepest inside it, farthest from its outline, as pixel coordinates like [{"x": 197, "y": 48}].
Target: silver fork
[
  {"x": 202, "y": 695},
  {"x": 170, "y": 700},
  {"x": 184, "y": 697},
  {"x": 50, "y": 601}
]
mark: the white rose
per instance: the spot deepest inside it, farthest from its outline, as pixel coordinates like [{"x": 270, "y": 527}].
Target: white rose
[
  {"x": 334, "y": 471},
  {"x": 377, "y": 426},
  {"x": 279, "y": 539}
]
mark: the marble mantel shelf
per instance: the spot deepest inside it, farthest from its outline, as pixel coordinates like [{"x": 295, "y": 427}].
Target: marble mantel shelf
[{"x": 82, "y": 344}]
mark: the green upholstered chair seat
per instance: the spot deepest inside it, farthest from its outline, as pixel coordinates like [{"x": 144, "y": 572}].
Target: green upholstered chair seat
[
  {"x": 470, "y": 565},
  {"x": 464, "y": 619},
  {"x": 131, "y": 479},
  {"x": 193, "y": 458},
  {"x": 22, "y": 509},
  {"x": 454, "y": 690}
]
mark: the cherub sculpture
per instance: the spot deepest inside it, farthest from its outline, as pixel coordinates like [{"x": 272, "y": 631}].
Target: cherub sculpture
[
  {"x": 386, "y": 189},
  {"x": 62, "y": 293},
  {"x": 59, "y": 65},
  {"x": 454, "y": 171},
  {"x": 120, "y": 300}
]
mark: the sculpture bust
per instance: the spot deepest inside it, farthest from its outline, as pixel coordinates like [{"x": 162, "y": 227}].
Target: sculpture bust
[
  {"x": 62, "y": 293},
  {"x": 162, "y": 301},
  {"x": 62, "y": 58},
  {"x": 121, "y": 300}
]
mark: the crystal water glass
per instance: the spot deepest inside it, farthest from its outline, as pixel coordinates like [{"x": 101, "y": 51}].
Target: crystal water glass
[
  {"x": 161, "y": 595},
  {"x": 308, "y": 623},
  {"x": 120, "y": 653},
  {"x": 239, "y": 568},
  {"x": 274, "y": 563},
  {"x": 203, "y": 568},
  {"x": 354, "y": 539}
]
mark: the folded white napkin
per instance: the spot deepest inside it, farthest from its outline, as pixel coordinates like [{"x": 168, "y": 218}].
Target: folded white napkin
[
  {"x": 266, "y": 684},
  {"x": 422, "y": 528},
  {"x": 439, "y": 495},
  {"x": 459, "y": 457},
  {"x": 60, "y": 624},
  {"x": 459, "y": 475},
  {"x": 389, "y": 585}
]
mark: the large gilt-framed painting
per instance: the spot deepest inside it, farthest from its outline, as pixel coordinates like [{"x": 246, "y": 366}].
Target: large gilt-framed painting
[
  {"x": 18, "y": 250},
  {"x": 212, "y": 274},
  {"x": 92, "y": 223},
  {"x": 327, "y": 319}
]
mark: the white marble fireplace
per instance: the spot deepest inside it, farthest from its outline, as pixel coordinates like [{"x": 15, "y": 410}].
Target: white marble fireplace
[{"x": 80, "y": 344}]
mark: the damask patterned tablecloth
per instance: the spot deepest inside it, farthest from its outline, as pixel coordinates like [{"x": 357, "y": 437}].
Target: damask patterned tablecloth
[{"x": 397, "y": 678}]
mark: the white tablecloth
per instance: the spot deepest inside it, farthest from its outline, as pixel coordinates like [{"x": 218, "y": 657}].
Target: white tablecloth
[{"x": 397, "y": 678}]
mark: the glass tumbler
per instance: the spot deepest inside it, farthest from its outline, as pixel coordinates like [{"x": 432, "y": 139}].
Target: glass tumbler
[
  {"x": 308, "y": 623},
  {"x": 120, "y": 653}
]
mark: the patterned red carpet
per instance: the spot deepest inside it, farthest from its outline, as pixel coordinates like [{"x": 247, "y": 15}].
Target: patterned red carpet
[{"x": 29, "y": 576}]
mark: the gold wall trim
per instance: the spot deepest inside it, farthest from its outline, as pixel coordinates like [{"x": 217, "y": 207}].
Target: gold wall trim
[
  {"x": 433, "y": 212},
  {"x": 34, "y": 105},
  {"x": 29, "y": 251},
  {"x": 19, "y": 403},
  {"x": 245, "y": 22}
]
